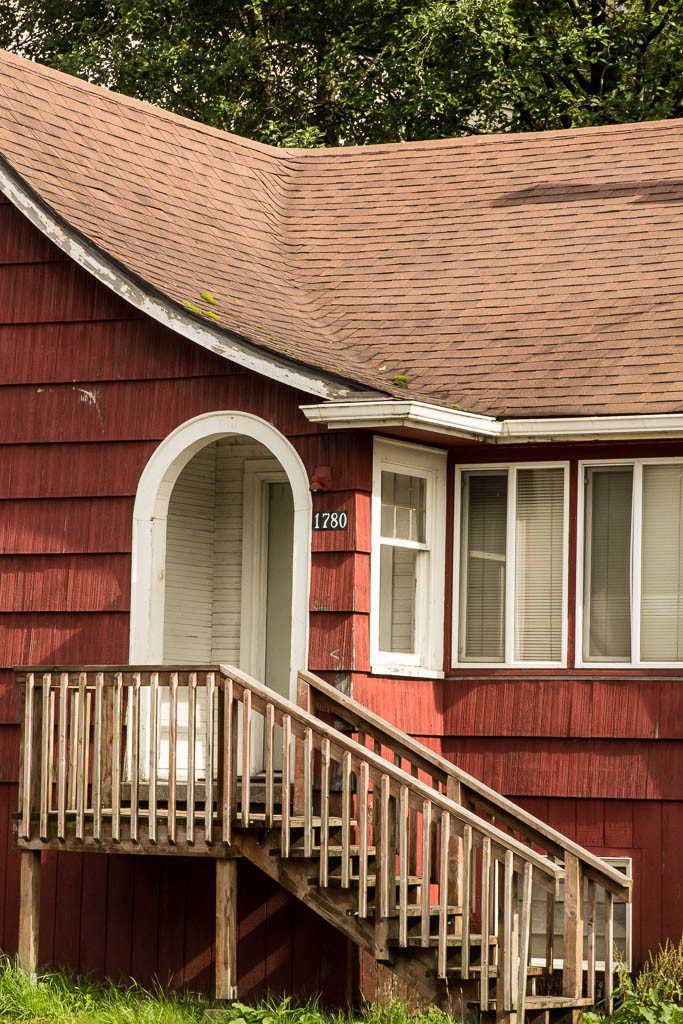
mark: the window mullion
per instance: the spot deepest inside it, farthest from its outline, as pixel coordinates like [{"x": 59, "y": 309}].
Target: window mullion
[
  {"x": 636, "y": 560},
  {"x": 510, "y": 567}
]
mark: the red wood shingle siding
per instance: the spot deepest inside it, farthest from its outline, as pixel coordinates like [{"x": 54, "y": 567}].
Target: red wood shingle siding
[{"x": 89, "y": 389}]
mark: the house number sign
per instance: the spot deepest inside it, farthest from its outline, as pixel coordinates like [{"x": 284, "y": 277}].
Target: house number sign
[{"x": 330, "y": 520}]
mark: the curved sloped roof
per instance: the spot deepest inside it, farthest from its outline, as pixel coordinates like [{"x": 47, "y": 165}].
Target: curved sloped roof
[{"x": 514, "y": 275}]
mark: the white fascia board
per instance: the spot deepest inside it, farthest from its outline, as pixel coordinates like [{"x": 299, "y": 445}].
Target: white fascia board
[
  {"x": 382, "y": 413},
  {"x": 111, "y": 274},
  {"x": 403, "y": 413},
  {"x": 568, "y": 428}
]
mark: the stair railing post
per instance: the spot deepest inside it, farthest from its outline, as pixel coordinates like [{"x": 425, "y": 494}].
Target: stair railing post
[
  {"x": 572, "y": 972},
  {"x": 304, "y": 701}
]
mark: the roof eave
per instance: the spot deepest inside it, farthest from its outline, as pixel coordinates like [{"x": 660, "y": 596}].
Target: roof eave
[
  {"x": 441, "y": 421},
  {"x": 144, "y": 297}
]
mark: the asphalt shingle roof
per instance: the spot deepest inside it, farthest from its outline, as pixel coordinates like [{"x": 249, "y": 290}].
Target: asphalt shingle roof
[{"x": 515, "y": 275}]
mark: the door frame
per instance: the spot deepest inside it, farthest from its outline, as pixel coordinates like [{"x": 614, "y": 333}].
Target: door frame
[{"x": 150, "y": 516}]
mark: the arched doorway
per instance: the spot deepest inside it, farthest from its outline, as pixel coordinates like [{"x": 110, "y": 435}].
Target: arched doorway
[{"x": 221, "y": 552}]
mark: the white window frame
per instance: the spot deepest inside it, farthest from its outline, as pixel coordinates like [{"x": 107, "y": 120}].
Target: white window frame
[
  {"x": 509, "y": 661},
  {"x": 636, "y": 561},
  {"x": 558, "y": 962},
  {"x": 430, "y": 465}
]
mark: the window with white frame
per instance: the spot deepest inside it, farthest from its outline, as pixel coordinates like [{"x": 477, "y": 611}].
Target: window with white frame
[
  {"x": 622, "y": 923},
  {"x": 513, "y": 564},
  {"x": 408, "y": 536},
  {"x": 633, "y": 563}
]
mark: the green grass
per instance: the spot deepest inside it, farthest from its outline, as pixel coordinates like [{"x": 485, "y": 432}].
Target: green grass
[{"x": 56, "y": 998}]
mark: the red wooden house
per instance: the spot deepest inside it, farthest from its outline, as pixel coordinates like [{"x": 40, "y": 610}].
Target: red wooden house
[{"x": 341, "y": 525}]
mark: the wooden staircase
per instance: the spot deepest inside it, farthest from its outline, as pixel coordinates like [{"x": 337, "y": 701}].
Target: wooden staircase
[{"x": 453, "y": 888}]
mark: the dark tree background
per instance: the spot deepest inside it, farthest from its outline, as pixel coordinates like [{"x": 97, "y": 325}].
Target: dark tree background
[{"x": 354, "y": 71}]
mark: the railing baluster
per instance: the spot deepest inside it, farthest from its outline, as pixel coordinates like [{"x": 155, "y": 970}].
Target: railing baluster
[
  {"x": 229, "y": 759},
  {"x": 116, "y": 721},
  {"x": 172, "y": 756},
  {"x": 191, "y": 753},
  {"x": 269, "y": 741},
  {"x": 209, "y": 759},
  {"x": 550, "y": 931},
  {"x": 246, "y": 758},
  {"x": 485, "y": 923},
  {"x": 45, "y": 752},
  {"x": 524, "y": 938},
  {"x": 609, "y": 952},
  {"x": 27, "y": 768},
  {"x": 346, "y": 820},
  {"x": 425, "y": 887},
  {"x": 97, "y": 758},
  {"x": 135, "y": 758},
  {"x": 384, "y": 880},
  {"x": 324, "y": 811},
  {"x": 404, "y": 864},
  {"x": 74, "y": 730},
  {"x": 152, "y": 766},
  {"x": 444, "y": 873},
  {"x": 62, "y": 754},
  {"x": 363, "y": 796},
  {"x": 308, "y": 792},
  {"x": 506, "y": 937},
  {"x": 81, "y": 759},
  {"x": 467, "y": 888},
  {"x": 591, "y": 909},
  {"x": 286, "y": 783}
]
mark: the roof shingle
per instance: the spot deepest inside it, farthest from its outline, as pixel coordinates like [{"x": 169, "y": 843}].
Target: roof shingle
[{"x": 514, "y": 275}]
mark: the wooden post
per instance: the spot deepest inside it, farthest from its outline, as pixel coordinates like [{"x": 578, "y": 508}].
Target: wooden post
[
  {"x": 226, "y": 929},
  {"x": 572, "y": 973},
  {"x": 29, "y": 910},
  {"x": 304, "y": 700}
]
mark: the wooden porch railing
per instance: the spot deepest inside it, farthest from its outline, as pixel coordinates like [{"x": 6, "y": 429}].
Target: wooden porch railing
[{"x": 429, "y": 867}]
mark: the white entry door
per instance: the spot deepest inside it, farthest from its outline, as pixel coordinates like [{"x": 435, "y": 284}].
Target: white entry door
[{"x": 267, "y": 593}]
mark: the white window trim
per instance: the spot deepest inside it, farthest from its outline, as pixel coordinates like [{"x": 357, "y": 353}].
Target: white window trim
[
  {"x": 558, "y": 962},
  {"x": 636, "y": 562},
  {"x": 430, "y": 464},
  {"x": 509, "y": 661}
]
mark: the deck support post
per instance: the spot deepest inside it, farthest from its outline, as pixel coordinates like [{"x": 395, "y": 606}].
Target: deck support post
[
  {"x": 29, "y": 910},
  {"x": 226, "y": 929}
]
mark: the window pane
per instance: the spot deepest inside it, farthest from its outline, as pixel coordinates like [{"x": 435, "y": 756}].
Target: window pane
[
  {"x": 661, "y": 616},
  {"x": 539, "y": 552},
  {"x": 483, "y": 558},
  {"x": 398, "y": 579},
  {"x": 607, "y": 594},
  {"x": 403, "y": 507}
]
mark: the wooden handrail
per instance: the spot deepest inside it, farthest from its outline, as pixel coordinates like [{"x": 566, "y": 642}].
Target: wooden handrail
[
  {"x": 429, "y": 761},
  {"x": 343, "y": 743}
]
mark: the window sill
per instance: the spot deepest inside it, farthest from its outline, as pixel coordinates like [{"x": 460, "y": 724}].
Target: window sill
[{"x": 405, "y": 671}]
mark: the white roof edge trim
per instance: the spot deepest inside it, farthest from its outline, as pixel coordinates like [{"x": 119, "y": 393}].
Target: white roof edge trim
[
  {"x": 436, "y": 419},
  {"x": 404, "y": 413},
  {"x": 224, "y": 344}
]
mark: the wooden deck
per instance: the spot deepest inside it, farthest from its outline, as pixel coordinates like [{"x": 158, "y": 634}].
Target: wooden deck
[{"x": 416, "y": 861}]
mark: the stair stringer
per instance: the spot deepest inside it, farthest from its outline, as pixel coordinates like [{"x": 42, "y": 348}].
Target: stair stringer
[{"x": 414, "y": 967}]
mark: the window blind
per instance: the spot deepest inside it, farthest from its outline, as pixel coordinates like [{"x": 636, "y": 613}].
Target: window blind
[
  {"x": 484, "y": 557},
  {"x": 607, "y": 596},
  {"x": 661, "y": 616},
  {"x": 539, "y": 530},
  {"x": 398, "y": 587}
]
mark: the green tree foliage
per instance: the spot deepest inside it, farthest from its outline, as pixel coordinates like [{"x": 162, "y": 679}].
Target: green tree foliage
[{"x": 321, "y": 72}]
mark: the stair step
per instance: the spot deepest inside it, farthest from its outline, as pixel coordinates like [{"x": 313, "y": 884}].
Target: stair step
[
  {"x": 334, "y": 851},
  {"x": 551, "y": 1002},
  {"x": 257, "y": 818},
  {"x": 434, "y": 911},
  {"x": 451, "y": 940}
]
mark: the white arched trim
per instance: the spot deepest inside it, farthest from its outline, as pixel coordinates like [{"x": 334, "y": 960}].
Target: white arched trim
[{"x": 150, "y": 519}]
